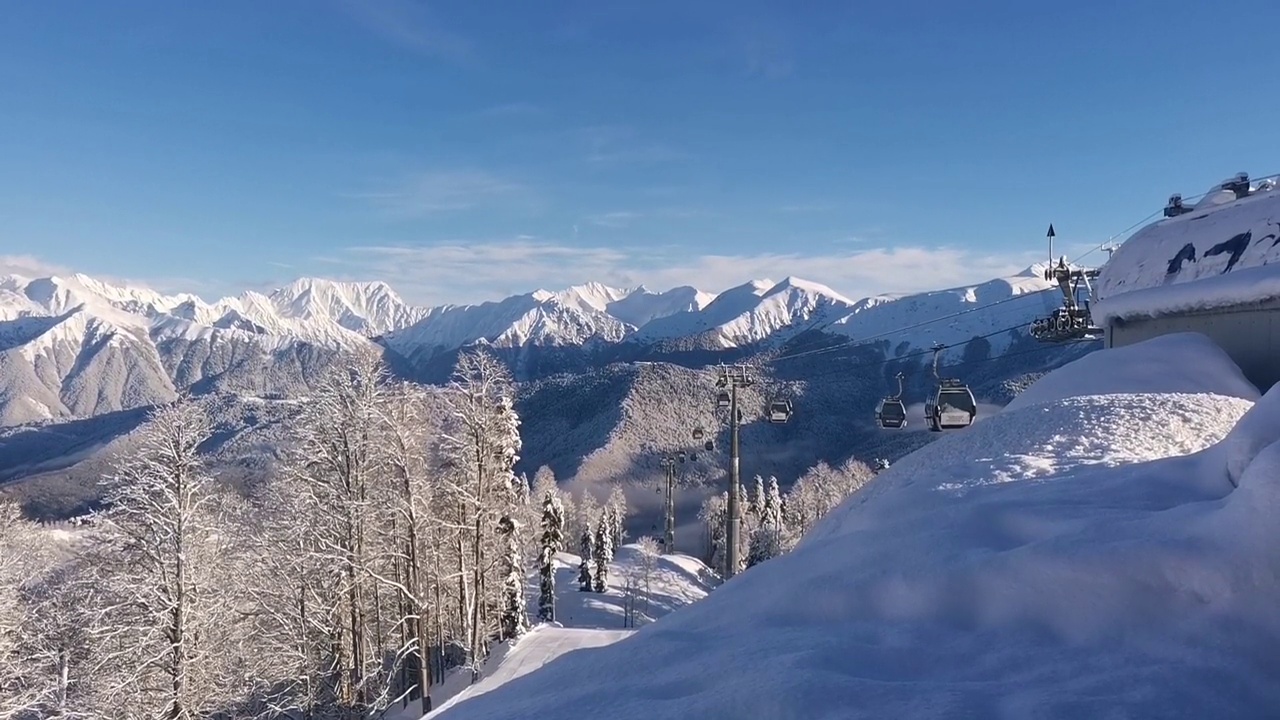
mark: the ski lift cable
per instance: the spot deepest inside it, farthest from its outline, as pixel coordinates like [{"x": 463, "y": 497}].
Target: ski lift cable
[
  {"x": 1191, "y": 199},
  {"x": 843, "y": 369},
  {"x": 866, "y": 339},
  {"x": 1078, "y": 258}
]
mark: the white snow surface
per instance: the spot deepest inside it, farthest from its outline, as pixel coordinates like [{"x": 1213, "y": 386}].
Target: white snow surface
[
  {"x": 1231, "y": 251},
  {"x": 583, "y": 619},
  {"x": 1022, "y": 297},
  {"x": 1083, "y": 556},
  {"x": 1259, "y": 428},
  {"x": 345, "y": 314},
  {"x": 1172, "y": 363}
]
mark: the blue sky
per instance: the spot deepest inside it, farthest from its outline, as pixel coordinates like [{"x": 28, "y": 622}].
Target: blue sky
[{"x": 464, "y": 151}]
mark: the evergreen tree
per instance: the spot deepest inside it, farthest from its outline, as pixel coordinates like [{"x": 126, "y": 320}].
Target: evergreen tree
[
  {"x": 712, "y": 515},
  {"x": 521, "y": 489},
  {"x": 756, "y": 506},
  {"x": 773, "y": 508},
  {"x": 552, "y": 543},
  {"x": 603, "y": 555},
  {"x": 515, "y": 618},
  {"x": 587, "y": 550},
  {"x": 588, "y": 511},
  {"x": 746, "y": 526},
  {"x": 766, "y": 539}
]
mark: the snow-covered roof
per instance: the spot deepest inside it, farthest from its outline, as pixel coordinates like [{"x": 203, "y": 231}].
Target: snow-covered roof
[{"x": 1229, "y": 247}]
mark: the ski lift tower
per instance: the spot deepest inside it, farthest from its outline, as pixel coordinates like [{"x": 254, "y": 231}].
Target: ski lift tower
[
  {"x": 1072, "y": 321},
  {"x": 731, "y": 379}
]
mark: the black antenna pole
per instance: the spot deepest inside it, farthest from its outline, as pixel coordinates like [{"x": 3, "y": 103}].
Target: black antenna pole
[{"x": 1051, "y": 235}]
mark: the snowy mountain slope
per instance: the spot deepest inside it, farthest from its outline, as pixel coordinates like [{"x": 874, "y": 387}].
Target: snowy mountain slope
[
  {"x": 753, "y": 312},
  {"x": 52, "y": 328},
  {"x": 1021, "y": 298},
  {"x": 575, "y": 316},
  {"x": 1083, "y": 556},
  {"x": 1229, "y": 247}
]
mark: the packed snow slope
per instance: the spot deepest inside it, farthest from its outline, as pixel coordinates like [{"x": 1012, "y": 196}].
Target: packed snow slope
[
  {"x": 584, "y": 619},
  {"x": 1227, "y": 247},
  {"x": 1083, "y": 555}
]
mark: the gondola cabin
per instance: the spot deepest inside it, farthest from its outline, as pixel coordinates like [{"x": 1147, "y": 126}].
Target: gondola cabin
[
  {"x": 779, "y": 411},
  {"x": 891, "y": 414},
  {"x": 952, "y": 406}
]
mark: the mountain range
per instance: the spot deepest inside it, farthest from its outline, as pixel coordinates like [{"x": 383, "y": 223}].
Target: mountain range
[{"x": 599, "y": 367}]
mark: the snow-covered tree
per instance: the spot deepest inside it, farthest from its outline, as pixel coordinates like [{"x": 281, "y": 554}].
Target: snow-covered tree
[
  {"x": 603, "y": 555},
  {"x": 522, "y": 490},
  {"x": 480, "y": 444},
  {"x": 408, "y": 427},
  {"x": 336, "y": 469},
  {"x": 767, "y": 537},
  {"x": 616, "y": 515},
  {"x": 818, "y": 492},
  {"x": 552, "y": 543},
  {"x": 649, "y": 552},
  {"x": 515, "y": 618},
  {"x": 587, "y": 553},
  {"x": 19, "y": 686},
  {"x": 589, "y": 511},
  {"x": 56, "y": 645},
  {"x": 165, "y": 620},
  {"x": 712, "y": 514},
  {"x": 772, "y": 512},
  {"x": 746, "y": 526}
]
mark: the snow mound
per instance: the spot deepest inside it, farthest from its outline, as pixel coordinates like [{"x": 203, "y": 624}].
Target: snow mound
[
  {"x": 1052, "y": 441},
  {"x": 1258, "y": 429},
  {"x": 1176, "y": 363},
  {"x": 1069, "y": 559}
]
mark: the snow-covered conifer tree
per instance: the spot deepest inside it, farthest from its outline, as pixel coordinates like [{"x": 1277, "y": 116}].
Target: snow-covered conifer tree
[
  {"x": 515, "y": 618},
  {"x": 522, "y": 489},
  {"x": 588, "y": 512},
  {"x": 712, "y": 515},
  {"x": 587, "y": 552},
  {"x": 773, "y": 504},
  {"x": 603, "y": 555},
  {"x": 552, "y": 543}
]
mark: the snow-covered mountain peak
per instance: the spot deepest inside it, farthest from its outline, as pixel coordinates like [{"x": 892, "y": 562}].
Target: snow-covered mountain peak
[{"x": 792, "y": 283}]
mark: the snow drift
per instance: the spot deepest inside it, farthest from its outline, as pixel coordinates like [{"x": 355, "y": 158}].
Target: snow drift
[
  {"x": 1075, "y": 557},
  {"x": 1166, "y": 364}
]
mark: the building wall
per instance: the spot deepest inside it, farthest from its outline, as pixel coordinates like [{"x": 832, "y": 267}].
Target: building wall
[{"x": 1249, "y": 334}]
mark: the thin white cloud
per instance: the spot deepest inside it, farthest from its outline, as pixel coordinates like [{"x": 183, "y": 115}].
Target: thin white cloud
[
  {"x": 807, "y": 207},
  {"x": 468, "y": 272},
  {"x": 409, "y": 24},
  {"x": 619, "y": 144},
  {"x": 512, "y": 109},
  {"x": 30, "y": 266},
  {"x": 442, "y": 191},
  {"x": 617, "y": 219}
]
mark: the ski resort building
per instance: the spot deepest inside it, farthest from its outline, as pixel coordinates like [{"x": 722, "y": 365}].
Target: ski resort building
[{"x": 1211, "y": 268}]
